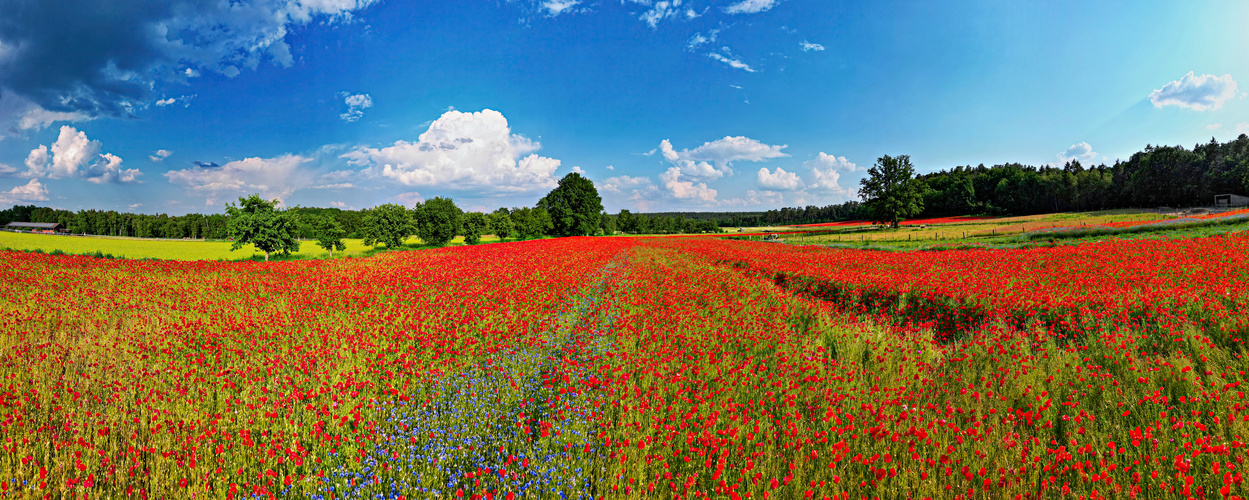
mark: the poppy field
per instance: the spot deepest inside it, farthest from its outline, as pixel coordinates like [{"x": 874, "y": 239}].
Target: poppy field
[{"x": 631, "y": 368}]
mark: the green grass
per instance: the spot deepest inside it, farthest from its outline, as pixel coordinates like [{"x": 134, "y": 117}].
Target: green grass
[{"x": 161, "y": 249}]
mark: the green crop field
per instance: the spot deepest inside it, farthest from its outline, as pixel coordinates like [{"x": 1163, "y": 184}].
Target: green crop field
[{"x": 144, "y": 248}]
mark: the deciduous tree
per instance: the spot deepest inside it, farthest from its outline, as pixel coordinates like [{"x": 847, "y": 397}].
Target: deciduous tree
[
  {"x": 890, "y": 191},
  {"x": 258, "y": 222}
]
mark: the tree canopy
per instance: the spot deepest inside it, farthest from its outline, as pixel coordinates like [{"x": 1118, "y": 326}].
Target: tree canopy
[
  {"x": 258, "y": 222},
  {"x": 389, "y": 224},
  {"x": 437, "y": 221},
  {"x": 890, "y": 192},
  {"x": 472, "y": 226},
  {"x": 329, "y": 234},
  {"x": 501, "y": 224},
  {"x": 574, "y": 206}
]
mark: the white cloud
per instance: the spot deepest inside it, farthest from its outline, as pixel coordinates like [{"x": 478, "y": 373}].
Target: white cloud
[
  {"x": 356, "y": 104},
  {"x": 160, "y": 155},
  {"x": 6, "y": 170},
  {"x": 826, "y": 170},
  {"x": 700, "y": 39},
  {"x": 731, "y": 61},
  {"x": 750, "y": 6},
  {"x": 811, "y": 47},
  {"x": 686, "y": 190},
  {"x": 609, "y": 167},
  {"x": 185, "y": 101},
  {"x": 557, "y": 7},
  {"x": 623, "y": 183},
  {"x": 1199, "y": 93},
  {"x": 1081, "y": 152},
  {"x": 463, "y": 151},
  {"x": 779, "y": 180},
  {"x": 19, "y": 113},
  {"x": 271, "y": 177},
  {"x": 659, "y": 11},
  {"x": 578, "y": 170},
  {"x": 31, "y": 191},
  {"x": 1214, "y": 126},
  {"x": 338, "y": 204},
  {"x": 714, "y": 159},
  {"x": 1242, "y": 127},
  {"x": 74, "y": 155},
  {"x": 410, "y": 199}
]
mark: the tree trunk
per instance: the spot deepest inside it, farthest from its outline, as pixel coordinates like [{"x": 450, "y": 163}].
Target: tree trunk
[{"x": 266, "y": 256}]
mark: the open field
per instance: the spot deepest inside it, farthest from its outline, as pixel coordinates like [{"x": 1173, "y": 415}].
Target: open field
[
  {"x": 161, "y": 249},
  {"x": 632, "y": 368}
]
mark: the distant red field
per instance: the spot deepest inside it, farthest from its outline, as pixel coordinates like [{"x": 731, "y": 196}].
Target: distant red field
[
  {"x": 917, "y": 222},
  {"x": 1190, "y": 218}
]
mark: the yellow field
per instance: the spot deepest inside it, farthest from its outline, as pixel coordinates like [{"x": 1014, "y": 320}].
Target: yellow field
[{"x": 144, "y": 248}]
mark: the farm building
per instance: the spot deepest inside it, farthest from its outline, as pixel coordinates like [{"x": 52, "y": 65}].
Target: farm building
[
  {"x": 43, "y": 227},
  {"x": 1230, "y": 200}
]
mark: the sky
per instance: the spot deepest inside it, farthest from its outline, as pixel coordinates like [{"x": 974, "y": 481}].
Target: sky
[{"x": 177, "y": 106}]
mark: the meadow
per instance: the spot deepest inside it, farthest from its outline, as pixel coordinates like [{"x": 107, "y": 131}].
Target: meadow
[
  {"x": 676, "y": 367},
  {"x": 187, "y": 249}
]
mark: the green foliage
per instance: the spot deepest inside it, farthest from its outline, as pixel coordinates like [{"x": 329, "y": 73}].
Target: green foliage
[
  {"x": 329, "y": 234},
  {"x": 890, "y": 191},
  {"x": 501, "y": 224},
  {"x": 472, "y": 226},
  {"x": 531, "y": 222},
  {"x": 389, "y": 224},
  {"x": 260, "y": 223},
  {"x": 437, "y": 221},
  {"x": 574, "y": 206}
]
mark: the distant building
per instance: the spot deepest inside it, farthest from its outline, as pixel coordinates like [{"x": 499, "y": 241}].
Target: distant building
[
  {"x": 1230, "y": 200},
  {"x": 42, "y": 227}
]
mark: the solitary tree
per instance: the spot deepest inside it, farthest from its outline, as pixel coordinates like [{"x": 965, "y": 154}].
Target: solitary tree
[
  {"x": 472, "y": 225},
  {"x": 437, "y": 221},
  {"x": 890, "y": 192},
  {"x": 258, "y": 222},
  {"x": 389, "y": 224},
  {"x": 329, "y": 234},
  {"x": 574, "y": 206},
  {"x": 501, "y": 224}
]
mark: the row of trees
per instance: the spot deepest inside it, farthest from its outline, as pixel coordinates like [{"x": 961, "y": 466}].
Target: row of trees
[{"x": 1158, "y": 176}]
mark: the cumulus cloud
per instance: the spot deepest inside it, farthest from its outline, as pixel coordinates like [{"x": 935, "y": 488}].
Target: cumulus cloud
[
  {"x": 1199, "y": 93},
  {"x": 271, "y": 177},
  {"x": 105, "y": 58},
  {"x": 826, "y": 173},
  {"x": 750, "y": 6},
  {"x": 811, "y": 47},
  {"x": 356, "y": 104},
  {"x": 1081, "y": 152},
  {"x": 160, "y": 155},
  {"x": 728, "y": 58},
  {"x": 686, "y": 190},
  {"x": 692, "y": 168},
  {"x": 779, "y": 180},
  {"x": 31, "y": 191},
  {"x": 463, "y": 151},
  {"x": 6, "y": 170},
  {"x": 74, "y": 155}
]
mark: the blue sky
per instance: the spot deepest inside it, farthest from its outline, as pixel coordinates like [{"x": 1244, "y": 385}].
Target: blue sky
[{"x": 175, "y": 106}]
